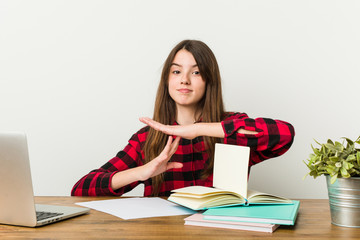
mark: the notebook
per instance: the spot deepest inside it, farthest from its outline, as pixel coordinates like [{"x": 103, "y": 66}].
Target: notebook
[
  {"x": 17, "y": 206},
  {"x": 282, "y": 214},
  {"x": 197, "y": 219}
]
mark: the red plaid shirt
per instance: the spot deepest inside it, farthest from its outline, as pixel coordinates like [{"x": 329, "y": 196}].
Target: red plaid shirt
[{"x": 274, "y": 138}]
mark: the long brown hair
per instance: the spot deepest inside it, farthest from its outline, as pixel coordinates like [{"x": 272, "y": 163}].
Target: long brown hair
[{"x": 211, "y": 105}]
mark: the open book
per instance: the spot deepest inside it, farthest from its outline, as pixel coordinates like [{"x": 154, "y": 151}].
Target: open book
[{"x": 230, "y": 180}]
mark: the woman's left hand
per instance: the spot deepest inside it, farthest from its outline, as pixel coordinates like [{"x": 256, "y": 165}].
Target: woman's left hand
[{"x": 184, "y": 131}]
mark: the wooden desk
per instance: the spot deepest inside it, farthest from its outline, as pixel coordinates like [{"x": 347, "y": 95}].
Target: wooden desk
[{"x": 313, "y": 222}]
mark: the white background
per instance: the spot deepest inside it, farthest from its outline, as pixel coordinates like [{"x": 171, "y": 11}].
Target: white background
[{"x": 77, "y": 75}]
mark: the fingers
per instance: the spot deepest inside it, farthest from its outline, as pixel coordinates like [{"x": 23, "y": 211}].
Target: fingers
[
  {"x": 185, "y": 131},
  {"x": 161, "y": 163},
  {"x": 171, "y": 146},
  {"x": 175, "y": 144},
  {"x": 169, "y": 150},
  {"x": 144, "y": 120},
  {"x": 150, "y": 122},
  {"x": 174, "y": 165},
  {"x": 156, "y": 125}
]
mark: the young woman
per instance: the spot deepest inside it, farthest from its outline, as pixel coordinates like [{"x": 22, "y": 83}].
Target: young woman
[{"x": 176, "y": 148}]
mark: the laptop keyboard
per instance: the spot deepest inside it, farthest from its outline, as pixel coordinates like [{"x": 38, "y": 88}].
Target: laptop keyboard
[{"x": 44, "y": 215}]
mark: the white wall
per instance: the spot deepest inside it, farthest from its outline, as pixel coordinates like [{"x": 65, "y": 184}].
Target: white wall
[{"x": 76, "y": 75}]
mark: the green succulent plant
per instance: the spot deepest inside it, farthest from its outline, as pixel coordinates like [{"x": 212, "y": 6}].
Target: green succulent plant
[{"x": 335, "y": 159}]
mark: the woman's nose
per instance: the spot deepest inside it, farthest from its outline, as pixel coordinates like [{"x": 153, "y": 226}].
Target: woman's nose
[{"x": 185, "y": 79}]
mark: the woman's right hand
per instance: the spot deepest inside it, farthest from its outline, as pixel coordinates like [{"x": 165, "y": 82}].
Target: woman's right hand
[
  {"x": 156, "y": 166},
  {"x": 161, "y": 163}
]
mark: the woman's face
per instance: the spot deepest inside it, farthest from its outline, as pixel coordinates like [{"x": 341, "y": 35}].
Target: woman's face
[{"x": 186, "y": 86}]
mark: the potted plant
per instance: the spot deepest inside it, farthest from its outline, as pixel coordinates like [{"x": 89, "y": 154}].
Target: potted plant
[{"x": 340, "y": 164}]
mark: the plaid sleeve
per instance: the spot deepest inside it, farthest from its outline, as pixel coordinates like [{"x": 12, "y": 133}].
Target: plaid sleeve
[
  {"x": 98, "y": 182},
  {"x": 273, "y": 138}
]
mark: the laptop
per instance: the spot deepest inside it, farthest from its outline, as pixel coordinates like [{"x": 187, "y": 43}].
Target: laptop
[{"x": 17, "y": 206}]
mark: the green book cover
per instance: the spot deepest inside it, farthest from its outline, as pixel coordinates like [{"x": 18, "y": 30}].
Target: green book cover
[{"x": 283, "y": 214}]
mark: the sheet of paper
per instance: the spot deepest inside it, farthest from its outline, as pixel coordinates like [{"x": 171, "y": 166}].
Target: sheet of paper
[
  {"x": 130, "y": 208},
  {"x": 231, "y": 163}
]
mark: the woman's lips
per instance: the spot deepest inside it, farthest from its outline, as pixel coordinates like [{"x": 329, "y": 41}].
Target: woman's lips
[{"x": 184, "y": 90}]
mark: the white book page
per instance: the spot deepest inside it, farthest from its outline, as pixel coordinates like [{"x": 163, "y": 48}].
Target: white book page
[
  {"x": 196, "y": 190},
  {"x": 256, "y": 196},
  {"x": 231, "y": 164}
]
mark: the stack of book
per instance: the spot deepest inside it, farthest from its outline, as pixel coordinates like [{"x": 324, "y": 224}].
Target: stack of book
[
  {"x": 230, "y": 204},
  {"x": 225, "y": 209}
]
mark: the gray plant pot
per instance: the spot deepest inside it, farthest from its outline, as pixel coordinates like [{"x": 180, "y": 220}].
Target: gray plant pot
[{"x": 344, "y": 200}]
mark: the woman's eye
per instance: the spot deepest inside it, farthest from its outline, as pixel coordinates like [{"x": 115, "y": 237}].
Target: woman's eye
[
  {"x": 176, "y": 72},
  {"x": 196, "y": 73}
]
